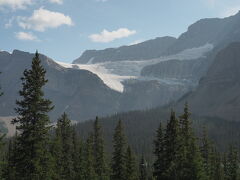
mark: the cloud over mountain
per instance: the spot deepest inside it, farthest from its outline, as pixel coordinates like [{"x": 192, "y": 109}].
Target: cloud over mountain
[{"x": 108, "y": 36}]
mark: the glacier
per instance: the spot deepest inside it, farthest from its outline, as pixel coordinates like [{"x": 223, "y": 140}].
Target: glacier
[{"x": 113, "y": 74}]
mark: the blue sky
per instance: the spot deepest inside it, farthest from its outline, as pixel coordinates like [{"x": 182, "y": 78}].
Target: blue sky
[{"x": 63, "y": 29}]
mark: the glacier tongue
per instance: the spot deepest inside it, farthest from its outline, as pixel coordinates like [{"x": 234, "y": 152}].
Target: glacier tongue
[{"x": 114, "y": 73}]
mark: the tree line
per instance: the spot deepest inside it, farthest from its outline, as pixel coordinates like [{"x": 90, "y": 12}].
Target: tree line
[{"x": 40, "y": 151}]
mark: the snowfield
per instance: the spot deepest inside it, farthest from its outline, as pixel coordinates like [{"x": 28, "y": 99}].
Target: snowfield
[{"x": 114, "y": 73}]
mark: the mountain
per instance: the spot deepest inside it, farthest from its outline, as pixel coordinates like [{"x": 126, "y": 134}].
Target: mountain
[
  {"x": 146, "y": 50},
  {"x": 142, "y": 76},
  {"x": 80, "y": 93},
  {"x": 215, "y": 31},
  {"x": 218, "y": 93}
]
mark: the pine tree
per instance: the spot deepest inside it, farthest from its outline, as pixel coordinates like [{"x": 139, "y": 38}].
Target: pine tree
[
  {"x": 159, "y": 154},
  {"x": 64, "y": 133},
  {"x": 10, "y": 172},
  {"x": 33, "y": 124},
  {"x": 172, "y": 145},
  {"x": 131, "y": 173},
  {"x": 79, "y": 162},
  {"x": 218, "y": 169},
  {"x": 206, "y": 153},
  {"x": 143, "y": 169},
  {"x": 232, "y": 165},
  {"x": 56, "y": 152},
  {"x": 89, "y": 171},
  {"x": 118, "y": 158},
  {"x": 190, "y": 160},
  {"x": 98, "y": 152}
]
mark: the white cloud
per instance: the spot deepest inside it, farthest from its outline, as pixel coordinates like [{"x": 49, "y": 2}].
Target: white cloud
[
  {"x": 107, "y": 36},
  {"x": 43, "y": 19},
  {"x": 231, "y": 11},
  {"x": 26, "y": 36},
  {"x": 56, "y": 1},
  {"x": 15, "y": 4}
]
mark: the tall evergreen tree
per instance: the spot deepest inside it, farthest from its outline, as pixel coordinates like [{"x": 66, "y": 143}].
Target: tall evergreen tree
[
  {"x": 206, "y": 152},
  {"x": 89, "y": 171},
  {"x": 143, "y": 169},
  {"x": 98, "y": 152},
  {"x": 232, "y": 165},
  {"x": 10, "y": 171},
  {"x": 33, "y": 124},
  {"x": 79, "y": 161},
  {"x": 119, "y": 149},
  {"x": 64, "y": 133},
  {"x": 172, "y": 145},
  {"x": 159, "y": 163},
  {"x": 131, "y": 172}
]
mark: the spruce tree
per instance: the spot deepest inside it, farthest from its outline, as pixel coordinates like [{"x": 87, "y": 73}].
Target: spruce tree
[
  {"x": 89, "y": 171},
  {"x": 118, "y": 157},
  {"x": 33, "y": 124},
  {"x": 79, "y": 161},
  {"x": 232, "y": 165},
  {"x": 205, "y": 151},
  {"x": 76, "y": 155},
  {"x": 159, "y": 154},
  {"x": 143, "y": 169},
  {"x": 98, "y": 152},
  {"x": 131, "y": 173},
  {"x": 10, "y": 172},
  {"x": 66, "y": 160},
  {"x": 171, "y": 148}
]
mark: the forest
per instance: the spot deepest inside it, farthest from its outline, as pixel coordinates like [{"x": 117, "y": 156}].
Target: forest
[{"x": 41, "y": 151}]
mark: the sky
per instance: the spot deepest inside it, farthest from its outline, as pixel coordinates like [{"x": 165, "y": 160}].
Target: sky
[{"x": 64, "y": 29}]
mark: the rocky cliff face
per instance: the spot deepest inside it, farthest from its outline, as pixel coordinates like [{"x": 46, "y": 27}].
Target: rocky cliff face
[
  {"x": 146, "y": 50},
  {"x": 218, "y": 94},
  {"x": 186, "y": 70}
]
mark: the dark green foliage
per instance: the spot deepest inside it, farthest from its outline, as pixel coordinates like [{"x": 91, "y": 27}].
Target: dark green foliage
[
  {"x": 231, "y": 164},
  {"x": 143, "y": 169},
  {"x": 118, "y": 157},
  {"x": 177, "y": 154},
  {"x": 64, "y": 143},
  {"x": 191, "y": 163},
  {"x": 131, "y": 172},
  {"x": 171, "y": 148},
  {"x": 89, "y": 171},
  {"x": 33, "y": 124},
  {"x": 10, "y": 171},
  {"x": 98, "y": 152},
  {"x": 159, "y": 154},
  {"x": 79, "y": 162}
]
